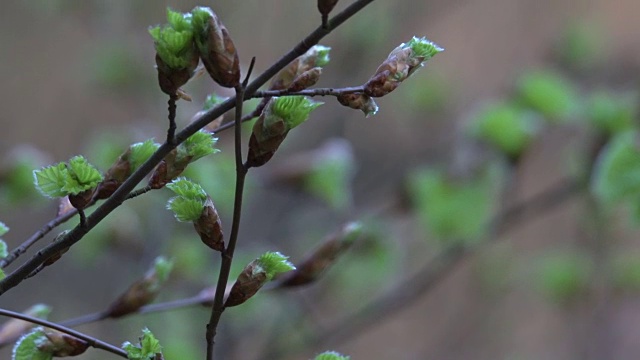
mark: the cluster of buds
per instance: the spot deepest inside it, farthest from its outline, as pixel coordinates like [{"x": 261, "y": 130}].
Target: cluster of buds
[
  {"x": 195, "y": 147},
  {"x": 280, "y": 115},
  {"x": 316, "y": 263},
  {"x": 143, "y": 291},
  {"x": 126, "y": 164},
  {"x": 187, "y": 39},
  {"x": 194, "y": 205},
  {"x": 255, "y": 275}
]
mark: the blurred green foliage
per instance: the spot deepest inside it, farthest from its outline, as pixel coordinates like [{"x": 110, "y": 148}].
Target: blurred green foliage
[
  {"x": 564, "y": 276},
  {"x": 507, "y": 127},
  {"x": 611, "y": 112},
  {"x": 548, "y": 93}
]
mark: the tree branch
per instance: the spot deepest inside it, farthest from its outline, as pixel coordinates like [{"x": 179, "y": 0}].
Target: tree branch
[
  {"x": 118, "y": 197},
  {"x": 309, "y": 92},
  {"x": 93, "y": 342}
]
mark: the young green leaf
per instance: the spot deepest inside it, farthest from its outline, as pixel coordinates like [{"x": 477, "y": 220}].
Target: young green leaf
[
  {"x": 331, "y": 355},
  {"x": 81, "y": 176},
  {"x": 2, "y": 274},
  {"x": 274, "y": 263},
  {"x": 612, "y": 113},
  {"x": 197, "y": 145},
  {"x": 162, "y": 267},
  {"x": 547, "y": 93},
  {"x": 147, "y": 348},
  {"x": 3, "y": 249},
  {"x": 506, "y": 127},
  {"x": 174, "y": 42},
  {"x": 189, "y": 203},
  {"x": 616, "y": 175},
  {"x": 3, "y": 228},
  {"x": 294, "y": 110},
  {"x": 50, "y": 181},
  {"x": 27, "y": 347},
  {"x": 212, "y": 100},
  {"x": 140, "y": 152}
]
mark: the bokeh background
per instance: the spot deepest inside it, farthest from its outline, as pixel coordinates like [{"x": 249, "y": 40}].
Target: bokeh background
[{"x": 560, "y": 283}]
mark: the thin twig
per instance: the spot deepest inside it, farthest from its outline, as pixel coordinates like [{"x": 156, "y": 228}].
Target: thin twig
[
  {"x": 309, "y": 92},
  {"x": 91, "y": 341},
  {"x": 433, "y": 272},
  {"x": 227, "y": 253},
  {"x": 171, "y": 132},
  {"x": 119, "y": 196},
  {"x": 139, "y": 192}
]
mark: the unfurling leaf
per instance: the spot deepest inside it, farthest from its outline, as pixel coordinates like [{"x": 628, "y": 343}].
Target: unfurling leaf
[
  {"x": 279, "y": 116},
  {"x": 255, "y": 275},
  {"x": 176, "y": 54},
  {"x": 401, "y": 63},
  {"x": 148, "y": 347},
  {"x": 331, "y": 355},
  {"x": 27, "y": 347},
  {"x": 50, "y": 181}
]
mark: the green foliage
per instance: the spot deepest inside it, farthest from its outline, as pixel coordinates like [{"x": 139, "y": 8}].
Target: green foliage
[
  {"x": 188, "y": 205},
  {"x": 423, "y": 48},
  {"x": 174, "y": 42},
  {"x": 274, "y": 263},
  {"x": 16, "y": 184},
  {"x": 27, "y": 347},
  {"x": 146, "y": 349},
  {"x": 140, "y": 152},
  {"x": 453, "y": 210},
  {"x": 294, "y": 110},
  {"x": 162, "y": 267},
  {"x": 197, "y": 146},
  {"x": 506, "y": 127},
  {"x": 582, "y": 45},
  {"x": 322, "y": 55},
  {"x": 625, "y": 272},
  {"x": 548, "y": 93},
  {"x": 3, "y": 228},
  {"x": 564, "y": 276},
  {"x": 2, "y": 274},
  {"x": 63, "y": 179},
  {"x": 331, "y": 355},
  {"x": 616, "y": 175},
  {"x": 612, "y": 113},
  {"x": 212, "y": 100},
  {"x": 3, "y": 249},
  {"x": 330, "y": 179},
  {"x": 50, "y": 181},
  {"x": 81, "y": 176}
]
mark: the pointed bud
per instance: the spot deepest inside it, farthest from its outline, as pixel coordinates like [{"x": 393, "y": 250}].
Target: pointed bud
[
  {"x": 401, "y": 63},
  {"x": 14, "y": 328},
  {"x": 255, "y": 275},
  {"x": 209, "y": 227},
  {"x": 325, "y": 6},
  {"x": 143, "y": 291},
  {"x": 306, "y": 79},
  {"x": 60, "y": 344},
  {"x": 359, "y": 101},
  {"x": 176, "y": 55},
  {"x": 316, "y": 56},
  {"x": 217, "y": 51},
  {"x": 323, "y": 257},
  {"x": 279, "y": 116}
]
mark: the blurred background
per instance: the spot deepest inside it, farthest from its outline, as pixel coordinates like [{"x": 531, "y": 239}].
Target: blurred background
[{"x": 457, "y": 260}]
